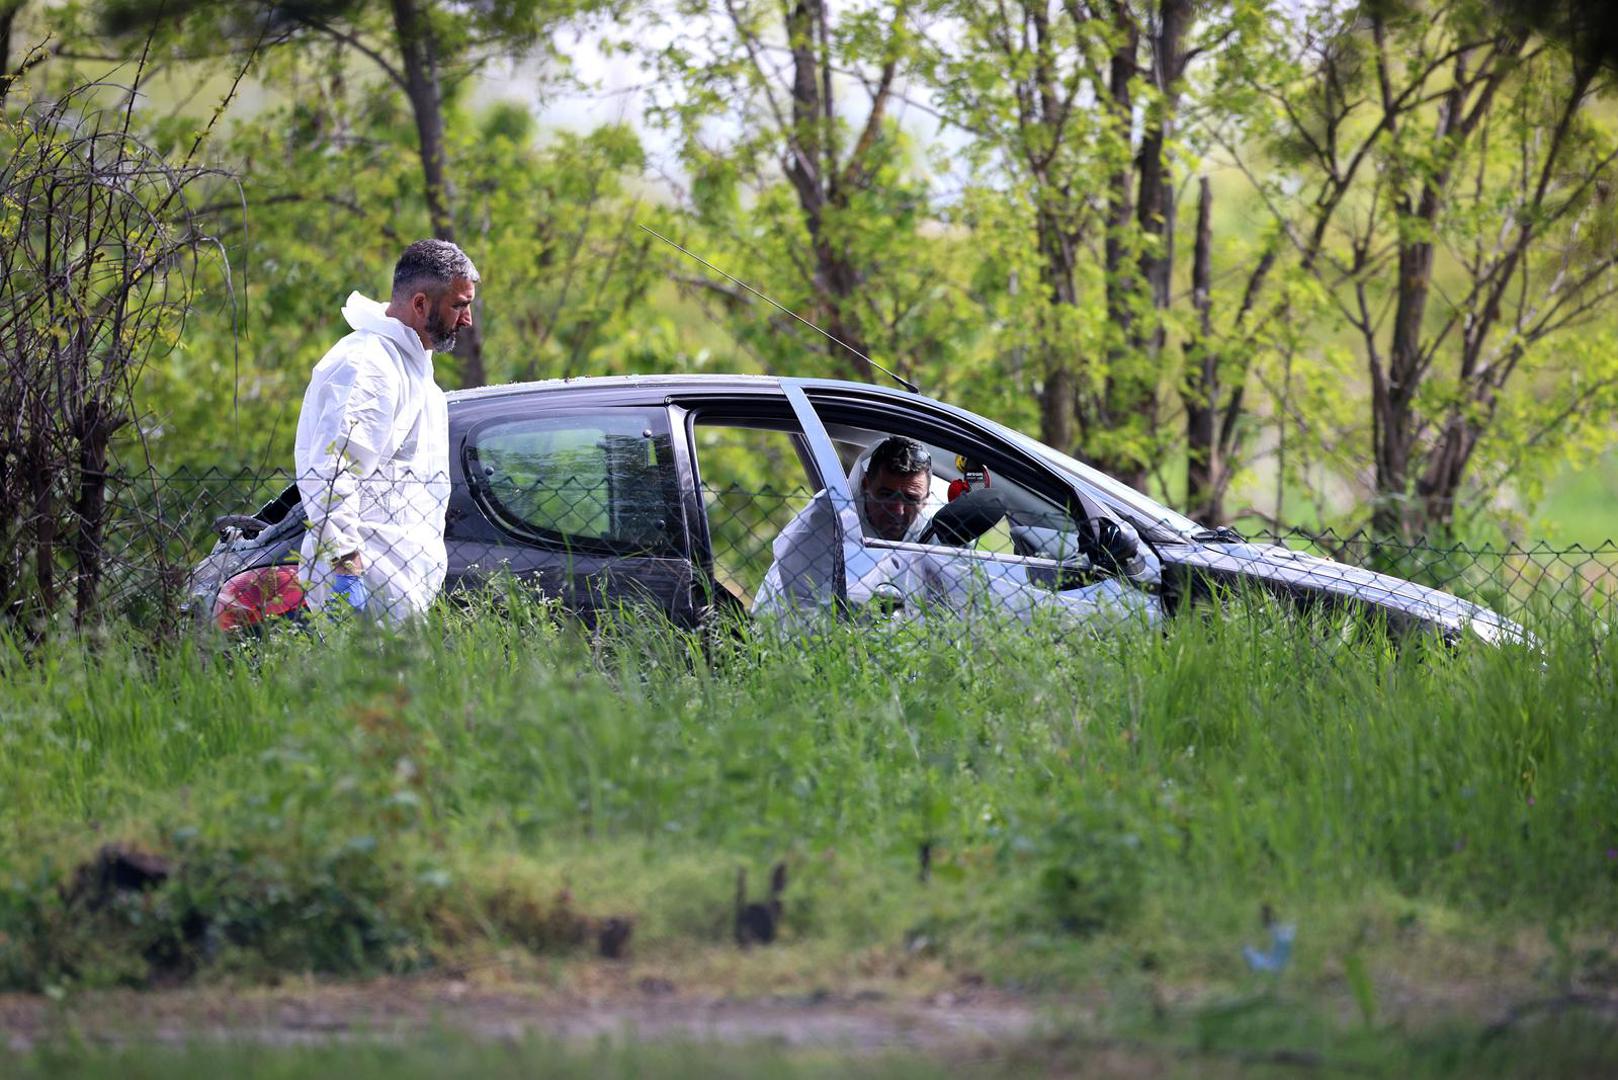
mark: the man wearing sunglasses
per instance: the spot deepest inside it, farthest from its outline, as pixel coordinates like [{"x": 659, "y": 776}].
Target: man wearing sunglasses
[
  {"x": 894, "y": 488},
  {"x": 893, "y": 501},
  {"x": 891, "y": 483}
]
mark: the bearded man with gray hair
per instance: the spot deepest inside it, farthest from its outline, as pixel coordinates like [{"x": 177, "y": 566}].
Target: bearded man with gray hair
[{"x": 372, "y": 450}]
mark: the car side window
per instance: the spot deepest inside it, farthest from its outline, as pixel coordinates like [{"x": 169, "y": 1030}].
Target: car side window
[
  {"x": 1034, "y": 525},
  {"x": 602, "y": 481}
]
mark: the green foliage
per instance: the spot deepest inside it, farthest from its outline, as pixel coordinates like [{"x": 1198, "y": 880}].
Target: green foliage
[
  {"x": 872, "y": 216},
  {"x": 381, "y": 803},
  {"x": 920, "y": 241},
  {"x": 1464, "y": 268},
  {"x": 329, "y": 197},
  {"x": 436, "y": 1054},
  {"x": 330, "y": 162}
]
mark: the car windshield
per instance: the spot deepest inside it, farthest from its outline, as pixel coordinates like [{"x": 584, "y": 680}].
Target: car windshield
[{"x": 1146, "y": 511}]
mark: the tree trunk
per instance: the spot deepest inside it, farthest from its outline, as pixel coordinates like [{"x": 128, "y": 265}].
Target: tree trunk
[
  {"x": 1058, "y": 392},
  {"x": 1057, "y": 235},
  {"x": 812, "y": 168},
  {"x": 1139, "y": 272},
  {"x": 1204, "y": 485},
  {"x": 1393, "y": 392},
  {"x": 1122, "y": 286},
  {"x": 1120, "y": 205},
  {"x": 1154, "y": 205},
  {"x": 1446, "y": 468},
  {"x": 1154, "y": 217},
  {"x": 9, "y": 10},
  {"x": 8, "y": 17},
  {"x": 90, "y": 509},
  {"x": 37, "y": 469},
  {"x": 1393, "y": 395},
  {"x": 426, "y": 105},
  {"x": 841, "y": 282},
  {"x": 422, "y": 87}
]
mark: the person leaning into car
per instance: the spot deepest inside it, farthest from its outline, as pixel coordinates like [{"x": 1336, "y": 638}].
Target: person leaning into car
[
  {"x": 892, "y": 487},
  {"x": 372, "y": 451}
]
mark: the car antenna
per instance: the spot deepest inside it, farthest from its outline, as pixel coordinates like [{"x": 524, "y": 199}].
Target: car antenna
[{"x": 901, "y": 380}]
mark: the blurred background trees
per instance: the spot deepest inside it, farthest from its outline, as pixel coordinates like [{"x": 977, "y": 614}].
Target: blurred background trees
[{"x": 1323, "y": 263}]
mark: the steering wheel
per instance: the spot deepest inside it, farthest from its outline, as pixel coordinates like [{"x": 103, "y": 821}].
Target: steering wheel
[{"x": 969, "y": 516}]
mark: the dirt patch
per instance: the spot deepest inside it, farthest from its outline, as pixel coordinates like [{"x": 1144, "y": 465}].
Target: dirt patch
[
  {"x": 761, "y": 995},
  {"x": 399, "y": 1008}
]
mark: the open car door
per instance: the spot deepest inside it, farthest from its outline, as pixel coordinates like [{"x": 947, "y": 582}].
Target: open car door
[{"x": 1005, "y": 537}]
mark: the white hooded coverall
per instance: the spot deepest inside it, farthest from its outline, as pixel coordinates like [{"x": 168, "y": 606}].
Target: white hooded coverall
[
  {"x": 802, "y": 579},
  {"x": 804, "y": 573},
  {"x": 372, "y": 459}
]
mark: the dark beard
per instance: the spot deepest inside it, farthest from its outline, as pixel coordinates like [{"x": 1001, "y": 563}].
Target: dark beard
[{"x": 442, "y": 337}]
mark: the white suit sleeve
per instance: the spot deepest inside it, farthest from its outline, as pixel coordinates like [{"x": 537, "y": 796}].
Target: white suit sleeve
[
  {"x": 802, "y": 572},
  {"x": 356, "y": 407}
]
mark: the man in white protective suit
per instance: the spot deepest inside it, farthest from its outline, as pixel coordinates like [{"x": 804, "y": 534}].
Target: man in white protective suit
[
  {"x": 372, "y": 450},
  {"x": 893, "y": 500}
]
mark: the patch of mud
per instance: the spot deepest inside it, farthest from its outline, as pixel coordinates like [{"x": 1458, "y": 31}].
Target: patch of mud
[{"x": 398, "y": 1009}]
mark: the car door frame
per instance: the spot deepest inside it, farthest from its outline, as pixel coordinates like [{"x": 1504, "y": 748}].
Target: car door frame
[
  {"x": 763, "y": 403},
  {"x": 878, "y": 409},
  {"x": 586, "y": 576}
]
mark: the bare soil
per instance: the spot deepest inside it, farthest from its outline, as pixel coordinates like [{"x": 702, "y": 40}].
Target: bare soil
[
  {"x": 398, "y": 1008},
  {"x": 751, "y": 997}
]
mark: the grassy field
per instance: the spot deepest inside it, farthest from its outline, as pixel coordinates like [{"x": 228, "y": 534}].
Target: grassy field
[
  {"x": 1100, "y": 826},
  {"x": 1581, "y": 506}
]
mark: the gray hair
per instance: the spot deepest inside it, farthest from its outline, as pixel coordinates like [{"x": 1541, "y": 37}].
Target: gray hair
[{"x": 433, "y": 264}]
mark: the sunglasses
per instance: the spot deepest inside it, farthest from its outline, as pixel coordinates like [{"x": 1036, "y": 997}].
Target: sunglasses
[{"x": 892, "y": 495}]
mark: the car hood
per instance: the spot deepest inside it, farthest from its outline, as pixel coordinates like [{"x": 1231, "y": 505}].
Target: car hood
[{"x": 1298, "y": 571}]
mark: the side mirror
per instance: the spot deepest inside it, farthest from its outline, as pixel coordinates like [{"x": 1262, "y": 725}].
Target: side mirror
[
  {"x": 1110, "y": 545},
  {"x": 1074, "y": 573},
  {"x": 961, "y": 522}
]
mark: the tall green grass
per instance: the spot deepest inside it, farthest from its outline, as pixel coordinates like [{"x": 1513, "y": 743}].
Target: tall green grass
[
  {"x": 448, "y": 1055},
  {"x": 361, "y": 801}
]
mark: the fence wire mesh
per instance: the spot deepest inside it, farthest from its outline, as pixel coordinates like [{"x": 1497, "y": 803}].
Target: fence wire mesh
[{"x": 232, "y": 548}]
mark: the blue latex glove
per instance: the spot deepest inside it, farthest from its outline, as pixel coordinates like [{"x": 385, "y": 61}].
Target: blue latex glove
[
  {"x": 1280, "y": 951},
  {"x": 350, "y": 587}
]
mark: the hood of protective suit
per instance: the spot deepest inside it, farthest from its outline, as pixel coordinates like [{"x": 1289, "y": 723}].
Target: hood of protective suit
[
  {"x": 363, "y": 313},
  {"x": 856, "y": 486}
]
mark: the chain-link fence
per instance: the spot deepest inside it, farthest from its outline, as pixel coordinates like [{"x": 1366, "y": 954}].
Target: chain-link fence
[{"x": 231, "y": 549}]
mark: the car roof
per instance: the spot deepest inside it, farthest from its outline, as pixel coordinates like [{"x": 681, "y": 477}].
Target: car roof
[
  {"x": 615, "y": 382},
  {"x": 710, "y": 383},
  {"x": 688, "y": 382}
]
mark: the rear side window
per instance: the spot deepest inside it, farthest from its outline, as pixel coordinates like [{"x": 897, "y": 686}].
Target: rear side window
[{"x": 601, "y": 481}]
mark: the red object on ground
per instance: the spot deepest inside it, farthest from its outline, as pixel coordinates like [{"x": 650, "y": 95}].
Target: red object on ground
[{"x": 249, "y": 598}]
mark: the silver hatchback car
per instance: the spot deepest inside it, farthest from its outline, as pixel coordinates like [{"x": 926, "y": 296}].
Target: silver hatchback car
[{"x": 677, "y": 491}]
